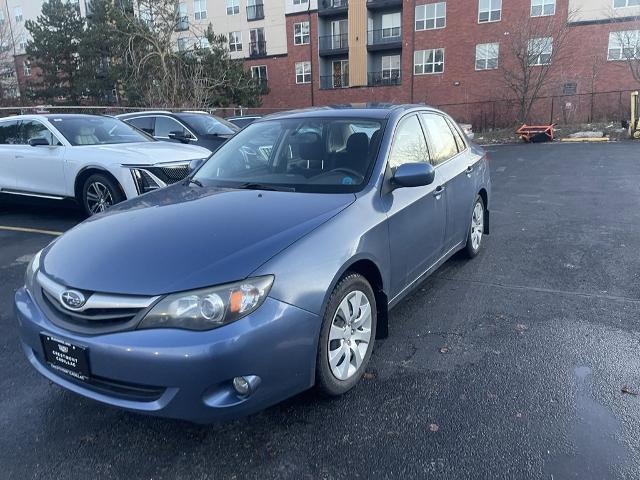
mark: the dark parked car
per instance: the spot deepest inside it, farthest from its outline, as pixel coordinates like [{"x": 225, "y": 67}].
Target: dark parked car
[
  {"x": 243, "y": 121},
  {"x": 195, "y": 128},
  {"x": 271, "y": 269}
]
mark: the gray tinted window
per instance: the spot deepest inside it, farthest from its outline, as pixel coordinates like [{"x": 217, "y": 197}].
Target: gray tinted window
[
  {"x": 143, "y": 123},
  {"x": 9, "y": 133},
  {"x": 409, "y": 145},
  {"x": 166, "y": 125},
  {"x": 457, "y": 135},
  {"x": 443, "y": 145},
  {"x": 31, "y": 129}
]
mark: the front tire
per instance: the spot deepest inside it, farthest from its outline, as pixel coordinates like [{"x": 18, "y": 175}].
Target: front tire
[
  {"x": 100, "y": 192},
  {"x": 347, "y": 335},
  {"x": 476, "y": 229}
]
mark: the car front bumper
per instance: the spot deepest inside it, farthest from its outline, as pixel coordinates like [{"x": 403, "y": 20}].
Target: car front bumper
[{"x": 186, "y": 374}]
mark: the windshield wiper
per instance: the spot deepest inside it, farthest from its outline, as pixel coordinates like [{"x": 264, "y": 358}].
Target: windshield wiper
[
  {"x": 194, "y": 181},
  {"x": 262, "y": 186}
]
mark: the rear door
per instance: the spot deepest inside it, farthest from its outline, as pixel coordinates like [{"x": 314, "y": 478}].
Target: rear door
[
  {"x": 417, "y": 216},
  {"x": 39, "y": 169},
  {"x": 8, "y": 140},
  {"x": 454, "y": 165}
]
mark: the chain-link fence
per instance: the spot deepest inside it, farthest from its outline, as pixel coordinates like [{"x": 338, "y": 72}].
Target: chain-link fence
[
  {"x": 611, "y": 107},
  {"x": 112, "y": 110}
]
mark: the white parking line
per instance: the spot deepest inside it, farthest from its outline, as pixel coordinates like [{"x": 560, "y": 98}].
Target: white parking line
[{"x": 30, "y": 230}]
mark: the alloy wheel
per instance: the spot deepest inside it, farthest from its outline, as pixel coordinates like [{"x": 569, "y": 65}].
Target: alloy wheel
[
  {"x": 99, "y": 197},
  {"x": 477, "y": 225},
  {"x": 350, "y": 335}
]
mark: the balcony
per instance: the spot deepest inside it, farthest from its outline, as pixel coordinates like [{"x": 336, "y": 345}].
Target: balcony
[
  {"x": 255, "y": 12},
  {"x": 334, "y": 44},
  {"x": 384, "y": 39},
  {"x": 329, "y": 82},
  {"x": 332, "y": 8},
  {"x": 383, "y": 79},
  {"x": 182, "y": 23},
  {"x": 257, "y": 49},
  {"x": 384, "y": 4}
]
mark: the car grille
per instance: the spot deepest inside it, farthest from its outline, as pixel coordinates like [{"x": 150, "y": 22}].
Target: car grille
[
  {"x": 170, "y": 174},
  {"x": 101, "y": 313}
]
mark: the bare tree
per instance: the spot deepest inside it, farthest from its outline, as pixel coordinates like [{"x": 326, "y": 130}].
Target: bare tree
[
  {"x": 624, "y": 45},
  {"x": 532, "y": 52},
  {"x": 8, "y": 77}
]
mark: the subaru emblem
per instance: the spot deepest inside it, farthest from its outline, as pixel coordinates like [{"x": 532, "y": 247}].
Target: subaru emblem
[
  {"x": 72, "y": 299},
  {"x": 63, "y": 348}
]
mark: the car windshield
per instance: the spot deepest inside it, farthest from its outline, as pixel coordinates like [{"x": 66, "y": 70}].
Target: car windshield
[
  {"x": 97, "y": 130},
  {"x": 309, "y": 155},
  {"x": 209, "y": 125}
]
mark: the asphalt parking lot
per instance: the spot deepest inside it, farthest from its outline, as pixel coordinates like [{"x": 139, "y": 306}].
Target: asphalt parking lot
[{"x": 508, "y": 366}]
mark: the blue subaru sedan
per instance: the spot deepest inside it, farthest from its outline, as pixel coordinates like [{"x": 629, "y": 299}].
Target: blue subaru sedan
[{"x": 271, "y": 269}]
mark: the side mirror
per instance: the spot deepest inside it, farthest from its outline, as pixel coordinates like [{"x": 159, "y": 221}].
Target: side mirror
[
  {"x": 180, "y": 136},
  {"x": 196, "y": 164},
  {"x": 39, "y": 142},
  {"x": 414, "y": 175}
]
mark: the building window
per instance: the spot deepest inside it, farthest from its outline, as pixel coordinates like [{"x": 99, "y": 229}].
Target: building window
[
  {"x": 540, "y": 51},
  {"x": 235, "y": 41},
  {"x": 200, "y": 9},
  {"x": 303, "y": 72},
  {"x": 22, "y": 42},
  {"x": 625, "y": 3},
  {"x": 431, "y": 16},
  {"x": 391, "y": 25},
  {"x": 26, "y": 68},
  {"x": 428, "y": 61},
  {"x": 543, "y": 8},
  {"x": 17, "y": 13},
  {"x": 259, "y": 72},
  {"x": 183, "y": 44},
  {"x": 301, "y": 33},
  {"x": 300, "y": 2},
  {"x": 624, "y": 45},
  {"x": 391, "y": 66},
  {"x": 489, "y": 11},
  {"x": 203, "y": 42},
  {"x": 487, "y": 56},
  {"x": 233, "y": 7}
]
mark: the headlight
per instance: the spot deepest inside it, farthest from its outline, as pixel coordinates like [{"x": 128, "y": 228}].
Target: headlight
[
  {"x": 30, "y": 274},
  {"x": 208, "y": 308}
]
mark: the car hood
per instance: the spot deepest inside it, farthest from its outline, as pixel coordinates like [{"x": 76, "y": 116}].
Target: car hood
[
  {"x": 184, "y": 237},
  {"x": 147, "y": 153}
]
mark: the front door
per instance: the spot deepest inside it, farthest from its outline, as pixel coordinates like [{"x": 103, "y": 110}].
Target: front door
[
  {"x": 417, "y": 216},
  {"x": 340, "y": 73},
  {"x": 39, "y": 169}
]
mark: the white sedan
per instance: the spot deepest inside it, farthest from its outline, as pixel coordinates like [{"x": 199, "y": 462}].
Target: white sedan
[{"x": 96, "y": 160}]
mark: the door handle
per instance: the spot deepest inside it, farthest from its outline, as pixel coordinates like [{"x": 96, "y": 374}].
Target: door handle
[{"x": 438, "y": 191}]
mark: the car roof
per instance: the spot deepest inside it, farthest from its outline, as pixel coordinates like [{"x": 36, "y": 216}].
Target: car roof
[
  {"x": 49, "y": 116},
  {"x": 350, "y": 110}
]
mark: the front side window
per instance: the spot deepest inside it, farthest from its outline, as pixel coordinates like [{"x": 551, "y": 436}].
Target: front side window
[
  {"x": 301, "y": 33},
  {"x": 409, "y": 144},
  {"x": 233, "y": 7},
  {"x": 200, "y": 9},
  {"x": 85, "y": 130},
  {"x": 487, "y": 56},
  {"x": 391, "y": 25},
  {"x": 235, "y": 41},
  {"x": 320, "y": 155},
  {"x": 489, "y": 11},
  {"x": 624, "y": 45},
  {"x": 442, "y": 142},
  {"x": 143, "y": 123},
  {"x": 428, "y": 61},
  {"x": 542, "y": 8},
  {"x": 540, "y": 51},
  {"x": 9, "y": 133},
  {"x": 303, "y": 72},
  {"x": 431, "y": 16},
  {"x": 31, "y": 129},
  {"x": 166, "y": 125}
]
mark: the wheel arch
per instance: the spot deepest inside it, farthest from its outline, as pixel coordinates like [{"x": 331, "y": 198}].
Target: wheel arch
[
  {"x": 85, "y": 173},
  {"x": 485, "y": 199}
]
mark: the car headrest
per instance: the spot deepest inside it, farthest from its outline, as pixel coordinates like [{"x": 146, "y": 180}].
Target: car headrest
[
  {"x": 358, "y": 143},
  {"x": 310, "y": 146}
]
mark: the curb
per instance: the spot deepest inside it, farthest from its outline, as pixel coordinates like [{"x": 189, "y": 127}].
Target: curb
[{"x": 585, "y": 139}]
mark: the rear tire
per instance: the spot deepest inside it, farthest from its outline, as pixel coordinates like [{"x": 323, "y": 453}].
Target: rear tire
[
  {"x": 100, "y": 192},
  {"x": 347, "y": 335},
  {"x": 476, "y": 229}
]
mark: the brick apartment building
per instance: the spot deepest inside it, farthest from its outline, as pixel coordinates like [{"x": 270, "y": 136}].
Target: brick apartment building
[{"x": 318, "y": 52}]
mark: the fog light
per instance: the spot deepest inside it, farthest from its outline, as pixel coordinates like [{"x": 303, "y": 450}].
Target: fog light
[{"x": 241, "y": 385}]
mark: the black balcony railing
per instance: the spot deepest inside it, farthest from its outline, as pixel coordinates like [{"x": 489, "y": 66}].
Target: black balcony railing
[
  {"x": 182, "y": 23},
  {"x": 381, "y": 79},
  {"x": 255, "y": 12},
  {"x": 338, "y": 80},
  {"x": 258, "y": 49},
  {"x": 329, "y": 8},
  {"x": 383, "y": 4},
  {"x": 329, "y": 43},
  {"x": 385, "y": 36}
]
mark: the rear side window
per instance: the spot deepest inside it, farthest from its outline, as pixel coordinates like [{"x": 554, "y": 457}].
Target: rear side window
[
  {"x": 409, "y": 145},
  {"x": 9, "y": 133},
  {"x": 443, "y": 145},
  {"x": 457, "y": 135},
  {"x": 166, "y": 125},
  {"x": 143, "y": 123}
]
